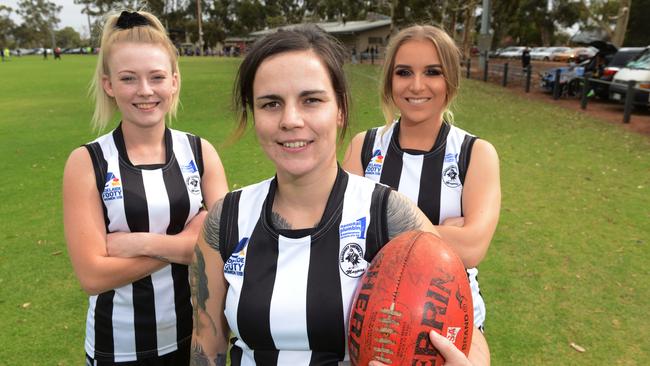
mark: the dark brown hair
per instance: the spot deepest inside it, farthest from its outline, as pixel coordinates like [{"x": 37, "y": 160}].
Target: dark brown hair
[{"x": 300, "y": 38}]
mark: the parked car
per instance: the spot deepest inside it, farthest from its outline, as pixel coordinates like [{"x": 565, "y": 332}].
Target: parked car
[
  {"x": 535, "y": 52},
  {"x": 619, "y": 60},
  {"x": 561, "y": 54},
  {"x": 512, "y": 52},
  {"x": 547, "y": 55},
  {"x": 639, "y": 71}
]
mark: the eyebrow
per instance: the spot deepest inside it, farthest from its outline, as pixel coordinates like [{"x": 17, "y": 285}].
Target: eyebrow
[
  {"x": 302, "y": 94},
  {"x": 409, "y": 66}
]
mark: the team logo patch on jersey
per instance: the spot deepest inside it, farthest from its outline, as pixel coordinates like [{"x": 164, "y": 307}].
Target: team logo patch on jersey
[
  {"x": 376, "y": 161},
  {"x": 237, "y": 261},
  {"x": 351, "y": 260},
  {"x": 190, "y": 167},
  {"x": 450, "y": 176},
  {"x": 112, "y": 188},
  {"x": 451, "y": 158},
  {"x": 356, "y": 229},
  {"x": 193, "y": 184}
]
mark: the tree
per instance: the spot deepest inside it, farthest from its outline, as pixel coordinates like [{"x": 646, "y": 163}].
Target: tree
[
  {"x": 637, "y": 31},
  {"x": 7, "y": 26},
  {"x": 41, "y": 18},
  {"x": 68, "y": 37}
]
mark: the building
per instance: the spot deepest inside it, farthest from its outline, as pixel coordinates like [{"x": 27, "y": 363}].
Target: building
[{"x": 358, "y": 36}]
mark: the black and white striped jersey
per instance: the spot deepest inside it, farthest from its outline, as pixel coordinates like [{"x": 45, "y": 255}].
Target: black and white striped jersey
[
  {"x": 434, "y": 179},
  {"x": 290, "y": 291},
  {"x": 151, "y": 316}
]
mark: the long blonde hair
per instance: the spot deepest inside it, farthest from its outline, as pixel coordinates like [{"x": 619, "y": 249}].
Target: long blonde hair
[
  {"x": 449, "y": 58},
  {"x": 153, "y": 33}
]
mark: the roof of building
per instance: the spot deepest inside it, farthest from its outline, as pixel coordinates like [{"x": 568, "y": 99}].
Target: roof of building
[{"x": 350, "y": 27}]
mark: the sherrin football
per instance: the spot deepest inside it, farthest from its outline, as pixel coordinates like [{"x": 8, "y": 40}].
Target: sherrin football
[{"x": 415, "y": 284}]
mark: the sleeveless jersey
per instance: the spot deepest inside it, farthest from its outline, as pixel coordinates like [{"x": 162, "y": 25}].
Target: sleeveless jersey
[
  {"x": 290, "y": 291},
  {"x": 434, "y": 180},
  {"x": 152, "y": 316}
]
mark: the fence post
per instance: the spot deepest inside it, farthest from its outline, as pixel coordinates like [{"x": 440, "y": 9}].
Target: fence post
[
  {"x": 485, "y": 71},
  {"x": 528, "y": 72},
  {"x": 504, "y": 82},
  {"x": 556, "y": 84},
  {"x": 585, "y": 91},
  {"x": 629, "y": 98},
  {"x": 469, "y": 67}
]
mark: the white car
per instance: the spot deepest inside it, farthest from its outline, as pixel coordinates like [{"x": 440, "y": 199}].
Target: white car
[
  {"x": 536, "y": 52},
  {"x": 639, "y": 71},
  {"x": 512, "y": 52},
  {"x": 547, "y": 54}
]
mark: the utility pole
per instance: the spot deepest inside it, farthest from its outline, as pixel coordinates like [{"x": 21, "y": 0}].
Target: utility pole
[
  {"x": 485, "y": 39},
  {"x": 198, "y": 19}
]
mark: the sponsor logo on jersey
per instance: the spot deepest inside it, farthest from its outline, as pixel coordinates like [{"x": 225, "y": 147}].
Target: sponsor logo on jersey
[
  {"x": 351, "y": 260},
  {"x": 450, "y": 176},
  {"x": 451, "y": 158},
  {"x": 193, "y": 184},
  {"x": 376, "y": 161},
  {"x": 237, "y": 261},
  {"x": 356, "y": 229},
  {"x": 189, "y": 168},
  {"x": 112, "y": 188}
]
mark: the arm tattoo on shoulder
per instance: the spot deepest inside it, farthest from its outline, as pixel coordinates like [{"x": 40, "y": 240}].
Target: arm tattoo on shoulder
[
  {"x": 279, "y": 222},
  {"x": 401, "y": 215},
  {"x": 211, "y": 225}
]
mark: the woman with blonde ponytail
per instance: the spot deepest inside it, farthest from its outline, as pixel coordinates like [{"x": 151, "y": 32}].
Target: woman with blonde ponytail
[
  {"x": 134, "y": 201},
  {"x": 451, "y": 175}
]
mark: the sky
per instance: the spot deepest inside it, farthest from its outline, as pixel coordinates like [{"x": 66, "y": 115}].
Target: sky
[{"x": 70, "y": 15}]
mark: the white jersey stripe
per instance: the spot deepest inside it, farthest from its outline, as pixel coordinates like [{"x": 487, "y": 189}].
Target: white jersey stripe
[
  {"x": 410, "y": 176},
  {"x": 288, "y": 315},
  {"x": 124, "y": 339}
]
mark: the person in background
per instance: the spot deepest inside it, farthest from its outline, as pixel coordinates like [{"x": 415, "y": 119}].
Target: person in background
[
  {"x": 450, "y": 174},
  {"x": 134, "y": 199}
]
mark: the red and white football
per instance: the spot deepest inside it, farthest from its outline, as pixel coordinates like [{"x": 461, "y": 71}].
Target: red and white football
[{"x": 415, "y": 284}]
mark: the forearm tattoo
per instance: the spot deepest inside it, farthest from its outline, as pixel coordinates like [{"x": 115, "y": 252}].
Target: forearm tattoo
[
  {"x": 199, "y": 280},
  {"x": 211, "y": 225},
  {"x": 198, "y": 357},
  {"x": 401, "y": 215}
]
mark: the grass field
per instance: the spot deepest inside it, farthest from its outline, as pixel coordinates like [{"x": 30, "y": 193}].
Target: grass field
[{"x": 569, "y": 261}]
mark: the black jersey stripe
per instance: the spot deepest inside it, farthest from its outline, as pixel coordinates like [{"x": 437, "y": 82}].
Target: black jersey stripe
[
  {"x": 180, "y": 201},
  {"x": 377, "y": 228},
  {"x": 104, "y": 325},
  {"x": 100, "y": 166},
  {"x": 322, "y": 282},
  {"x": 137, "y": 217},
  {"x": 464, "y": 156},
  {"x": 430, "y": 178},
  {"x": 253, "y": 312},
  {"x": 228, "y": 228},
  {"x": 197, "y": 151}
]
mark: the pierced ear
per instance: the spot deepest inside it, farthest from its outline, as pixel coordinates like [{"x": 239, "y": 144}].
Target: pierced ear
[{"x": 107, "y": 86}]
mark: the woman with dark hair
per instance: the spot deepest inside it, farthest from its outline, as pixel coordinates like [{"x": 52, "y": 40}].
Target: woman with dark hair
[{"x": 270, "y": 264}]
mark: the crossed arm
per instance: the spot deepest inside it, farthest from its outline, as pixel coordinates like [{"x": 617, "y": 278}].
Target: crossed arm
[
  {"x": 471, "y": 234},
  {"x": 106, "y": 261}
]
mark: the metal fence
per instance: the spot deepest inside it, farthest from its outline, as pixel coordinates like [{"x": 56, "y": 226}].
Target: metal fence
[{"x": 577, "y": 87}]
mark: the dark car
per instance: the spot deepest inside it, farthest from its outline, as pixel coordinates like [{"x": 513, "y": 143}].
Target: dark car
[{"x": 620, "y": 59}]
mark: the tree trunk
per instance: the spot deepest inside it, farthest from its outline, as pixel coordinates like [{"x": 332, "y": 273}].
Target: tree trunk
[
  {"x": 621, "y": 23},
  {"x": 468, "y": 30}
]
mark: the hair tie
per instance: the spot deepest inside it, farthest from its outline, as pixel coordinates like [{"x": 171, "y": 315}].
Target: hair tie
[{"x": 128, "y": 20}]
